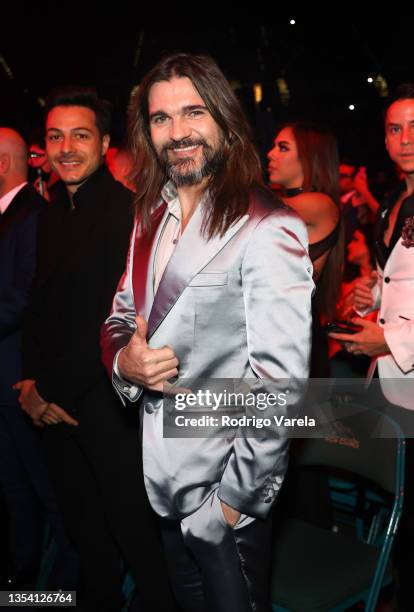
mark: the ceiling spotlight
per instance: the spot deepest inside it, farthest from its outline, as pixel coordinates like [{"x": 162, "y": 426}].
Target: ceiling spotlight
[
  {"x": 351, "y": 107},
  {"x": 292, "y": 22},
  {"x": 370, "y": 80}
]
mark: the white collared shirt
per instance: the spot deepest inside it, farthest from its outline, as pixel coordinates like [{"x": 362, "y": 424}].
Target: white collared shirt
[
  {"x": 170, "y": 233},
  {"x": 6, "y": 200}
]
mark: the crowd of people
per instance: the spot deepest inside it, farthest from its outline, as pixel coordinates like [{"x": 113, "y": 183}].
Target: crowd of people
[{"x": 125, "y": 272}]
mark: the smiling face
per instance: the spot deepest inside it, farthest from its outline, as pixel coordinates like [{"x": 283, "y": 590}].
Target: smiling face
[
  {"x": 74, "y": 145},
  {"x": 284, "y": 165},
  {"x": 399, "y": 134},
  {"x": 188, "y": 142}
]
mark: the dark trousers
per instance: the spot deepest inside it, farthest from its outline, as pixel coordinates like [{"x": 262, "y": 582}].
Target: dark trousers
[
  {"x": 215, "y": 568},
  {"x": 97, "y": 471},
  {"x": 29, "y": 499}
]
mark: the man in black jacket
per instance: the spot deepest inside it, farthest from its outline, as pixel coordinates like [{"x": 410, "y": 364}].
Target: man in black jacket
[
  {"x": 24, "y": 480},
  {"x": 91, "y": 444}
]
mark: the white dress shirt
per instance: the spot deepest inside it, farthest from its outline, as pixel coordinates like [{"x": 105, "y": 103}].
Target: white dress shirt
[
  {"x": 6, "y": 200},
  {"x": 170, "y": 233}
]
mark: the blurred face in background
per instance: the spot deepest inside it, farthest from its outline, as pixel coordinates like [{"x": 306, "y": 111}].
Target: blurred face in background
[
  {"x": 74, "y": 145},
  {"x": 346, "y": 178},
  {"x": 38, "y": 158},
  {"x": 284, "y": 165},
  {"x": 357, "y": 249},
  {"x": 120, "y": 165}
]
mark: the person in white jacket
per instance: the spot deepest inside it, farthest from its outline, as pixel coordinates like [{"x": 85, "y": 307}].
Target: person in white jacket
[{"x": 390, "y": 341}]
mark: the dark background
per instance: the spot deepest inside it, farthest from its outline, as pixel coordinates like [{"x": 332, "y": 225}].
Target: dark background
[{"x": 325, "y": 59}]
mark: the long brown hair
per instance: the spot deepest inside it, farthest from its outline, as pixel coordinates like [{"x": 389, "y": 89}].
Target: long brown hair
[
  {"x": 318, "y": 155},
  {"x": 240, "y": 169}
]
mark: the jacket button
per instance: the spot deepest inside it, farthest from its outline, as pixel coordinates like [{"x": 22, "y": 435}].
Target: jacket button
[
  {"x": 149, "y": 408},
  {"x": 382, "y": 321},
  {"x": 387, "y": 279}
]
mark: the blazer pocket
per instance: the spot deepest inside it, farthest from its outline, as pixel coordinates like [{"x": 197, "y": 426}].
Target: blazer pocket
[{"x": 209, "y": 279}]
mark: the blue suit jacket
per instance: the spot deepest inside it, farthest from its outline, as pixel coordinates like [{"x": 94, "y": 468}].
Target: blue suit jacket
[{"x": 18, "y": 226}]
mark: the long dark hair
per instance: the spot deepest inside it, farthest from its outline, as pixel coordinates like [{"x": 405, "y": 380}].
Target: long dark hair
[
  {"x": 318, "y": 155},
  {"x": 240, "y": 170}
]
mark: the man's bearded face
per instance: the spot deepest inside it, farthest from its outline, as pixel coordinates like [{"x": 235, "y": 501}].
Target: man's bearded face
[{"x": 188, "y": 142}]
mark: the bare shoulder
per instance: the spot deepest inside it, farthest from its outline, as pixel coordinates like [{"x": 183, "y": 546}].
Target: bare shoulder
[
  {"x": 320, "y": 200},
  {"x": 314, "y": 207},
  {"x": 314, "y": 200}
]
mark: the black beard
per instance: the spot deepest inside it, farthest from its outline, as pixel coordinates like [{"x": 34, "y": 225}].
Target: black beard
[{"x": 182, "y": 172}]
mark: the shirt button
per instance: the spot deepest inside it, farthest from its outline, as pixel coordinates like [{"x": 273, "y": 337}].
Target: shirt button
[
  {"x": 382, "y": 321},
  {"x": 387, "y": 279},
  {"x": 149, "y": 408}
]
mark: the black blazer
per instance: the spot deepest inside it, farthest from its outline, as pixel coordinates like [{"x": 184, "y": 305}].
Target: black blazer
[
  {"x": 17, "y": 265},
  {"x": 81, "y": 257}
]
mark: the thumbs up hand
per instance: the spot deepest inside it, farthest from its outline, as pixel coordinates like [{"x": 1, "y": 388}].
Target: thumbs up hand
[{"x": 145, "y": 366}]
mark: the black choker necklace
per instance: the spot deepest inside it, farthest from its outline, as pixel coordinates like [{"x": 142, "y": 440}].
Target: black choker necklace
[{"x": 294, "y": 191}]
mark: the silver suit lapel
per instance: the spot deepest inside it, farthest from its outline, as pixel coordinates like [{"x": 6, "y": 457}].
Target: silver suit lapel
[{"x": 192, "y": 254}]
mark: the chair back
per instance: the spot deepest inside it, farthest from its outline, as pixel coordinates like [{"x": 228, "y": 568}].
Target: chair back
[{"x": 360, "y": 440}]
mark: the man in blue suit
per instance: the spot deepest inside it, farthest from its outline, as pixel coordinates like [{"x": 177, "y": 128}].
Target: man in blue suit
[{"x": 23, "y": 477}]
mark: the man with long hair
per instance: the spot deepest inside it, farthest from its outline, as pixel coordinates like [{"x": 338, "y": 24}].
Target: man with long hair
[{"x": 217, "y": 286}]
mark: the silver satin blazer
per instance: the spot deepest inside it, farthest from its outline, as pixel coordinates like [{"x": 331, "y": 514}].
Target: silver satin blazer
[{"x": 236, "y": 306}]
